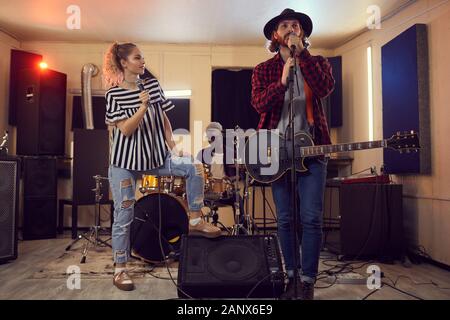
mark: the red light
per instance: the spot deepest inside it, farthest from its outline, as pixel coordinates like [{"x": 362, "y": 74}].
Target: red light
[{"x": 43, "y": 65}]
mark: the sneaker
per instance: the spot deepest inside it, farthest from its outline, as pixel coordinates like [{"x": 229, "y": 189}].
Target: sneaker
[
  {"x": 307, "y": 290},
  {"x": 123, "y": 281},
  {"x": 289, "y": 293},
  {"x": 204, "y": 229}
]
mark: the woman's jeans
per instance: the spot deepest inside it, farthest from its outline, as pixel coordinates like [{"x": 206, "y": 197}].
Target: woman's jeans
[
  {"x": 311, "y": 188},
  {"x": 123, "y": 188}
]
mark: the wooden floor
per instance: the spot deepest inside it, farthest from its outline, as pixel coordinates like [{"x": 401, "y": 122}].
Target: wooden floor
[{"x": 17, "y": 283}]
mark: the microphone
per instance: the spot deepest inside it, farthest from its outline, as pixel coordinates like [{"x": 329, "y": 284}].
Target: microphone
[
  {"x": 293, "y": 46},
  {"x": 140, "y": 84}
]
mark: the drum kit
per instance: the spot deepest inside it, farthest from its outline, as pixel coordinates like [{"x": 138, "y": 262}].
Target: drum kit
[
  {"x": 168, "y": 195},
  {"x": 217, "y": 192},
  {"x": 161, "y": 214}
]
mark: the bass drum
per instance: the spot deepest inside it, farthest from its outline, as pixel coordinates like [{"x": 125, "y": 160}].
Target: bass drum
[{"x": 145, "y": 226}]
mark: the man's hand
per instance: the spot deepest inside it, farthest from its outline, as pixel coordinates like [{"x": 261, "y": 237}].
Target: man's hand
[{"x": 284, "y": 77}]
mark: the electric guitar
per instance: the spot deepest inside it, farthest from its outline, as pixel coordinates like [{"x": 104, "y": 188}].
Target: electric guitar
[{"x": 268, "y": 156}]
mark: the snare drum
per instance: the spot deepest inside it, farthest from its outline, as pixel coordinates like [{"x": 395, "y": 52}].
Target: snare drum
[
  {"x": 179, "y": 186},
  {"x": 149, "y": 183},
  {"x": 152, "y": 184},
  {"x": 166, "y": 183},
  {"x": 217, "y": 189}
]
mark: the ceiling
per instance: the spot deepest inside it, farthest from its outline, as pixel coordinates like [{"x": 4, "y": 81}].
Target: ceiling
[{"x": 212, "y": 22}]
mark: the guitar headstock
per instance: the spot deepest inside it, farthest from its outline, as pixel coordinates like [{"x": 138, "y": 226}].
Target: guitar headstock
[{"x": 404, "y": 142}]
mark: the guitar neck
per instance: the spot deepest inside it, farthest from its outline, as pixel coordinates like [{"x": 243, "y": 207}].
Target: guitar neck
[{"x": 314, "y": 151}]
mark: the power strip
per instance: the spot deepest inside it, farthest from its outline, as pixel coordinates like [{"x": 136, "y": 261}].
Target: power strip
[{"x": 347, "y": 278}]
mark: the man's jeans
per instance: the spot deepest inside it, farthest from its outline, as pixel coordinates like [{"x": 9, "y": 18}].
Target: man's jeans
[
  {"x": 123, "y": 186},
  {"x": 311, "y": 188}
]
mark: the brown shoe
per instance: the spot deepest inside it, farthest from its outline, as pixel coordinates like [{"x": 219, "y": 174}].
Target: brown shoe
[
  {"x": 205, "y": 229},
  {"x": 123, "y": 281}
]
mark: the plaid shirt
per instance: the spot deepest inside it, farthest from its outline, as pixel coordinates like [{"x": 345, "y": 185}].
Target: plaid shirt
[{"x": 268, "y": 92}]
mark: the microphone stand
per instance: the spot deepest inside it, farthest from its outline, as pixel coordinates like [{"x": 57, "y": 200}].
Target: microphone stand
[
  {"x": 237, "y": 193},
  {"x": 290, "y": 138}
]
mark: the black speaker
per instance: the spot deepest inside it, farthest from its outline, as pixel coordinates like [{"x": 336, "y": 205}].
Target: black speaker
[
  {"x": 91, "y": 158},
  {"x": 369, "y": 221},
  {"x": 9, "y": 200},
  {"x": 40, "y": 197},
  {"x": 19, "y": 60},
  {"x": 230, "y": 267},
  {"x": 41, "y": 112}
]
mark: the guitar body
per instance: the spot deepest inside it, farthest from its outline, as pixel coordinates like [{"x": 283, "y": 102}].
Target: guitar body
[{"x": 268, "y": 155}]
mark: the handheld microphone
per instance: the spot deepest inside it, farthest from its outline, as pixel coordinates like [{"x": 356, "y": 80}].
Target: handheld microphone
[
  {"x": 140, "y": 84},
  {"x": 293, "y": 46}
]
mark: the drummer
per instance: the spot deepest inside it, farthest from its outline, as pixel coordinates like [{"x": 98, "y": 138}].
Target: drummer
[{"x": 214, "y": 158}]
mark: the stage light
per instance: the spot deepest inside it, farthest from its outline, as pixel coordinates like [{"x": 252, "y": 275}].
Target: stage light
[
  {"x": 178, "y": 93},
  {"x": 43, "y": 65},
  {"x": 370, "y": 91}
]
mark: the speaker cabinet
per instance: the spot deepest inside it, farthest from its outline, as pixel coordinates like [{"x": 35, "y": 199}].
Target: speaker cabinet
[
  {"x": 40, "y": 197},
  {"x": 19, "y": 60},
  {"x": 368, "y": 221},
  {"x": 230, "y": 267},
  {"x": 41, "y": 112},
  {"x": 9, "y": 199},
  {"x": 91, "y": 158}
]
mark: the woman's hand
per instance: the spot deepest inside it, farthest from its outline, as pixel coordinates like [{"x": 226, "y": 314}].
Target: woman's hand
[
  {"x": 144, "y": 96},
  {"x": 179, "y": 153}
]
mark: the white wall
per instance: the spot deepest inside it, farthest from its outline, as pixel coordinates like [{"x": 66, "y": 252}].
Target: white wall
[{"x": 426, "y": 203}]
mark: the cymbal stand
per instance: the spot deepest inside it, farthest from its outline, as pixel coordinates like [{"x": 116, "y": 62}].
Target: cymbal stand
[
  {"x": 248, "y": 218},
  {"x": 92, "y": 236},
  {"x": 214, "y": 215}
]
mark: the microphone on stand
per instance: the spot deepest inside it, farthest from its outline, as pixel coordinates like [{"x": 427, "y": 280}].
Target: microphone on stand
[{"x": 293, "y": 47}]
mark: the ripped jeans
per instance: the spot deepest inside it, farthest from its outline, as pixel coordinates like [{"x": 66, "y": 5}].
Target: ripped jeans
[{"x": 123, "y": 188}]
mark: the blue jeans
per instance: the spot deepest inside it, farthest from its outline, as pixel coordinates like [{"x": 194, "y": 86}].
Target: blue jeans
[
  {"x": 123, "y": 188},
  {"x": 311, "y": 188}
]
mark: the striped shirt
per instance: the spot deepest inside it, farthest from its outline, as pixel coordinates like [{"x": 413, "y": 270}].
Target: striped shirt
[{"x": 146, "y": 148}]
